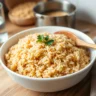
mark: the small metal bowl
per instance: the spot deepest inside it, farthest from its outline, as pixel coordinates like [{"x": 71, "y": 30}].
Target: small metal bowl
[{"x": 55, "y": 5}]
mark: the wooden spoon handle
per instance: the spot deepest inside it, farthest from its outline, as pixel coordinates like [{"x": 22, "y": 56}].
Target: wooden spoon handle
[{"x": 85, "y": 44}]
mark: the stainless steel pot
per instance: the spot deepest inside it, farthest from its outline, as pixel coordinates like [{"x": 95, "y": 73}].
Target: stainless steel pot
[{"x": 45, "y": 20}]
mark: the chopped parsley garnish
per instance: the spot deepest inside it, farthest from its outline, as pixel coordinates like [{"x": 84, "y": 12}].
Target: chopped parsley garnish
[
  {"x": 50, "y": 42},
  {"x": 45, "y": 39},
  {"x": 40, "y": 38}
]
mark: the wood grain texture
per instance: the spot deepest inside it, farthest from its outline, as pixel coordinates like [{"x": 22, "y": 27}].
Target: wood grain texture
[{"x": 9, "y": 88}]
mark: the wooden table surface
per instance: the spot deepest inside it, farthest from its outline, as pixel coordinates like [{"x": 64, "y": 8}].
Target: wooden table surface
[{"x": 9, "y": 88}]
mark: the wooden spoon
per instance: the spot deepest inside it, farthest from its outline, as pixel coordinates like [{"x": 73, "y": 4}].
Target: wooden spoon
[{"x": 78, "y": 41}]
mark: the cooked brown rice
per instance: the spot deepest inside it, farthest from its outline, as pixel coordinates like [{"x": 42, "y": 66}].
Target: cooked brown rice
[{"x": 34, "y": 59}]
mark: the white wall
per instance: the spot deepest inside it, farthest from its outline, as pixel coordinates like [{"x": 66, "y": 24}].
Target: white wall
[{"x": 86, "y": 9}]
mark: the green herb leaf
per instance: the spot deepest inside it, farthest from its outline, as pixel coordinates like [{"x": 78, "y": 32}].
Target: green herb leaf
[
  {"x": 40, "y": 38},
  {"x": 47, "y": 38},
  {"x": 50, "y": 42}
]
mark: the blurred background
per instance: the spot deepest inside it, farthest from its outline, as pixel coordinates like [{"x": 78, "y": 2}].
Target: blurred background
[{"x": 19, "y": 15}]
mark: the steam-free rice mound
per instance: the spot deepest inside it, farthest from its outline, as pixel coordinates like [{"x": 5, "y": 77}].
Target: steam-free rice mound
[{"x": 36, "y": 59}]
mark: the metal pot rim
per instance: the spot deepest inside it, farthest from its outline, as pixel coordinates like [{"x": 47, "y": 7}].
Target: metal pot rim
[{"x": 69, "y": 14}]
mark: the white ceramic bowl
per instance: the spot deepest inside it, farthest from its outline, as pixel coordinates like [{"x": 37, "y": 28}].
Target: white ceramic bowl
[{"x": 47, "y": 84}]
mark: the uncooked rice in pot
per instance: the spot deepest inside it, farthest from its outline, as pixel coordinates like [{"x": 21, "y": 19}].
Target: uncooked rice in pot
[{"x": 31, "y": 58}]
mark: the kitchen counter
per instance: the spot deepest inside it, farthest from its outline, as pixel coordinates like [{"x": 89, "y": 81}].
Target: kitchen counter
[{"x": 10, "y": 88}]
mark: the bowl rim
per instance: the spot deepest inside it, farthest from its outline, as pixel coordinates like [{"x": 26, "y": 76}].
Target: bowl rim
[{"x": 45, "y": 79}]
